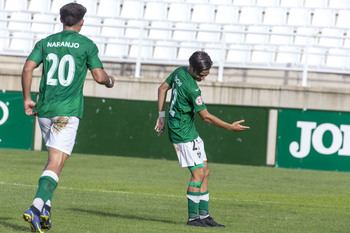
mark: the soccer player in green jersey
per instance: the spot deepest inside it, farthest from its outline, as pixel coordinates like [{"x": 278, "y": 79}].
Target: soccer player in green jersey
[
  {"x": 185, "y": 101},
  {"x": 66, "y": 57}
]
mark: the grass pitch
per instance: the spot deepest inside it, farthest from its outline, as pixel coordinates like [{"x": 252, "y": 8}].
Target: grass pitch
[{"x": 119, "y": 194}]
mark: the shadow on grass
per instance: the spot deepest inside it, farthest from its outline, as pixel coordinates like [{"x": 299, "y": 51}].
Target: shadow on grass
[
  {"x": 106, "y": 214},
  {"x": 5, "y": 223}
]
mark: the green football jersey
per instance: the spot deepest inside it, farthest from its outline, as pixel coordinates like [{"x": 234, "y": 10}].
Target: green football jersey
[
  {"x": 185, "y": 101},
  {"x": 66, "y": 57}
]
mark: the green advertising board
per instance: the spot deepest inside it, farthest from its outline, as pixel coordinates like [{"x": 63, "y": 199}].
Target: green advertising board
[
  {"x": 16, "y": 128},
  {"x": 126, "y": 128},
  {"x": 313, "y": 140}
]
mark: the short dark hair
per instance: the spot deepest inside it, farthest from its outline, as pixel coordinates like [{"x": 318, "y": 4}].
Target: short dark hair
[
  {"x": 72, "y": 13},
  {"x": 200, "y": 61}
]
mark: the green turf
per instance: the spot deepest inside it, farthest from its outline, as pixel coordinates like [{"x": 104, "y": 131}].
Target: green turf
[{"x": 119, "y": 194}]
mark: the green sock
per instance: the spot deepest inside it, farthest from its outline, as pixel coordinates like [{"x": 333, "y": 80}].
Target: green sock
[
  {"x": 47, "y": 186},
  {"x": 204, "y": 204},
  {"x": 193, "y": 204}
]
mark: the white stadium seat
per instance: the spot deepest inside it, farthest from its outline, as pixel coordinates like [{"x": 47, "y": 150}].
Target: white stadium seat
[
  {"x": 117, "y": 48},
  {"x": 165, "y": 50},
  {"x": 288, "y": 55},
  {"x": 15, "y": 5},
  {"x": 43, "y": 23},
  {"x": 43, "y": 6},
  {"x": 21, "y": 42},
  {"x": 262, "y": 55},
  {"x": 275, "y": 16},
  {"x": 108, "y": 8},
  {"x": 305, "y": 35},
  {"x": 57, "y": 4},
  {"x": 315, "y": 4},
  {"x": 156, "y": 10},
  {"x": 185, "y": 31},
  {"x": 331, "y": 37},
  {"x": 343, "y": 19},
  {"x": 250, "y": 15},
  {"x": 219, "y": 2},
  {"x": 112, "y": 27},
  {"x": 208, "y": 33},
  {"x": 281, "y": 35},
  {"x": 216, "y": 52},
  {"x": 267, "y": 3},
  {"x": 142, "y": 50},
  {"x": 132, "y": 9},
  {"x": 160, "y": 30},
  {"x": 233, "y": 34},
  {"x": 92, "y": 26},
  {"x": 244, "y": 2},
  {"x": 226, "y": 14},
  {"x": 135, "y": 29},
  {"x": 292, "y": 3},
  {"x": 323, "y": 18},
  {"x": 238, "y": 54},
  {"x": 203, "y": 13},
  {"x": 91, "y": 6},
  {"x": 179, "y": 12},
  {"x": 4, "y": 40},
  {"x": 257, "y": 35},
  {"x": 315, "y": 57},
  {"x": 341, "y": 4},
  {"x": 186, "y": 49},
  {"x": 20, "y": 21},
  {"x": 337, "y": 58},
  {"x": 299, "y": 17}
]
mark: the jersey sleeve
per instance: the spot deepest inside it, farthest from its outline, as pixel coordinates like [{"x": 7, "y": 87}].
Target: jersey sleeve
[
  {"x": 93, "y": 61},
  {"x": 169, "y": 80},
  {"x": 195, "y": 99},
  {"x": 36, "y": 54}
]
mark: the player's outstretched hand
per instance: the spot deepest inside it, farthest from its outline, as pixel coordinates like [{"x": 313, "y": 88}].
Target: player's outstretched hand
[
  {"x": 29, "y": 107},
  {"x": 111, "y": 82},
  {"x": 160, "y": 125},
  {"x": 236, "y": 126}
]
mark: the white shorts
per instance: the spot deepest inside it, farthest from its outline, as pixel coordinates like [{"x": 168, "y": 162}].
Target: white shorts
[
  {"x": 59, "y": 132},
  {"x": 190, "y": 153}
]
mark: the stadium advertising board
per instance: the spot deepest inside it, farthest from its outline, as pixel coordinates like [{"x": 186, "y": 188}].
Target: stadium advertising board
[
  {"x": 313, "y": 140},
  {"x": 16, "y": 128}
]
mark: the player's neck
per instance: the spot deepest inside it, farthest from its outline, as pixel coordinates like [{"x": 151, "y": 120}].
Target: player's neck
[{"x": 66, "y": 28}]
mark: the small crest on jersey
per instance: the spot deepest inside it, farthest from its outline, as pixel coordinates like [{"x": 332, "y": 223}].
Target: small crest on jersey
[{"x": 199, "y": 100}]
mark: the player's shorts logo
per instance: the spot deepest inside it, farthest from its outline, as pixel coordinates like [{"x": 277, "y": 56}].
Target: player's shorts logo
[{"x": 199, "y": 100}]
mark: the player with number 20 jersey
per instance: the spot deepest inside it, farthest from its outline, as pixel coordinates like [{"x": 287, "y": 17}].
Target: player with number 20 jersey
[{"x": 66, "y": 57}]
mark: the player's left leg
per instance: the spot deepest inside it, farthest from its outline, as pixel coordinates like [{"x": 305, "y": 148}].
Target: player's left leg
[{"x": 204, "y": 200}]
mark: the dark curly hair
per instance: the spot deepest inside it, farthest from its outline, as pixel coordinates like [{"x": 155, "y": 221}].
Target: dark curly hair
[{"x": 72, "y": 13}]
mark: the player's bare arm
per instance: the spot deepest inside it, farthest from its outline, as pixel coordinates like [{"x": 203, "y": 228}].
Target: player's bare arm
[
  {"x": 101, "y": 77},
  {"x": 213, "y": 120},
  {"x": 162, "y": 92},
  {"x": 27, "y": 75}
]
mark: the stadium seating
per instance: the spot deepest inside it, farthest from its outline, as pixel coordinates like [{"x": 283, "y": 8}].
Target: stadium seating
[{"x": 269, "y": 34}]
